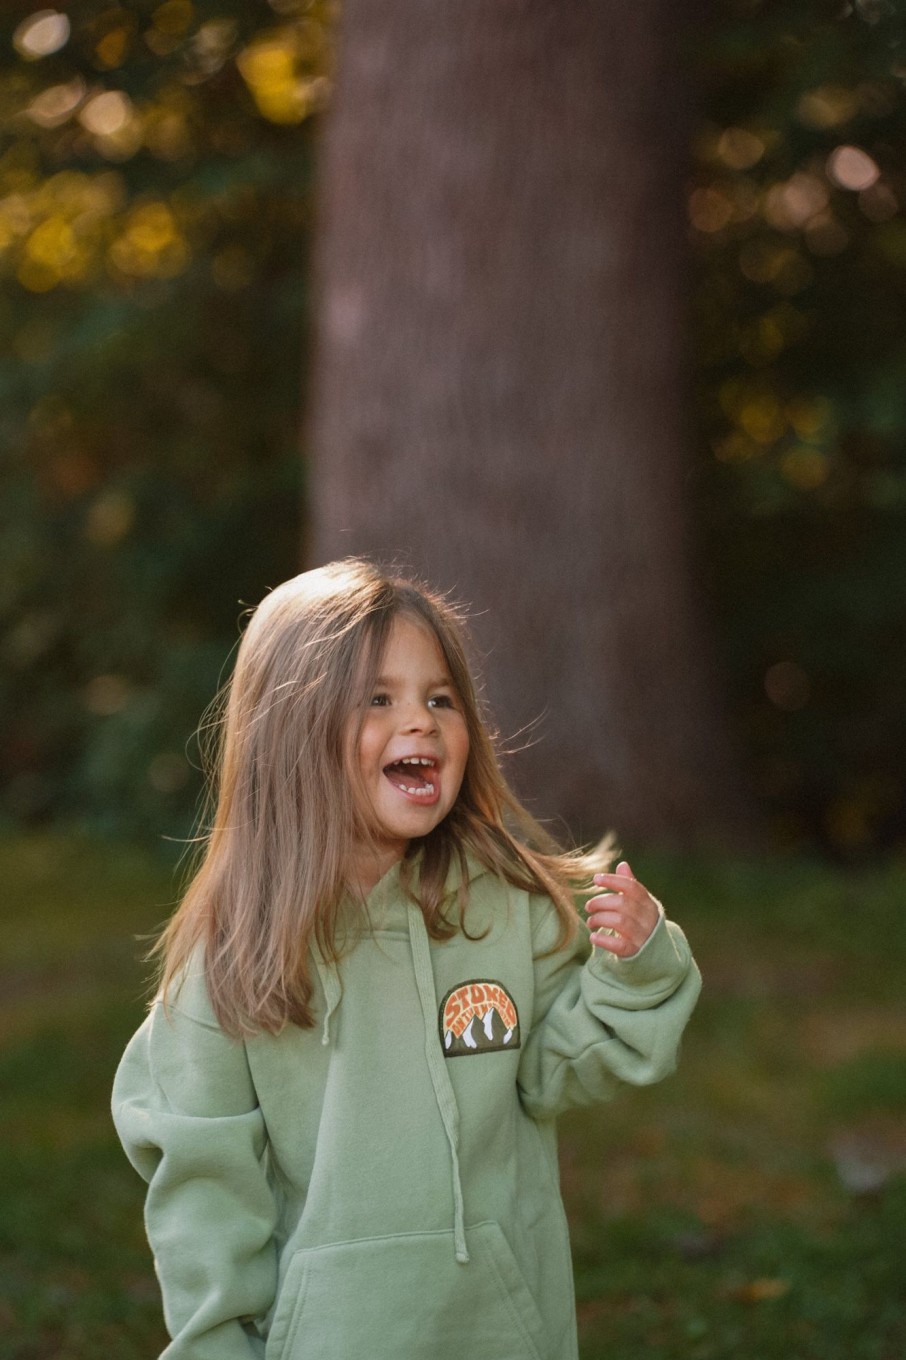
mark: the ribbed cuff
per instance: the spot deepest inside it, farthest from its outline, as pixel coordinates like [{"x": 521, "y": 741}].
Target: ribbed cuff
[{"x": 662, "y": 959}]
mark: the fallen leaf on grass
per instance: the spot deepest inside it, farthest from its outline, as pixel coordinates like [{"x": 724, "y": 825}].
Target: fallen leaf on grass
[
  {"x": 866, "y": 1157},
  {"x": 756, "y": 1291}
]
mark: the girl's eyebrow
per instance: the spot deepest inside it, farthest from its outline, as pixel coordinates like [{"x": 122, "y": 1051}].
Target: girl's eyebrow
[{"x": 389, "y": 681}]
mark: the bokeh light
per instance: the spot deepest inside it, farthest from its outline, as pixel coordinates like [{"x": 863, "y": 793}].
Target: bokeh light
[
  {"x": 276, "y": 69},
  {"x": 851, "y": 168},
  {"x": 787, "y": 685},
  {"x": 41, "y": 34},
  {"x": 739, "y": 148},
  {"x": 106, "y": 114},
  {"x": 151, "y": 244},
  {"x": 57, "y": 103}
]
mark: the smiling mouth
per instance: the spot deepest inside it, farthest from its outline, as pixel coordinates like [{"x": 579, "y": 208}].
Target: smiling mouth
[{"x": 414, "y": 776}]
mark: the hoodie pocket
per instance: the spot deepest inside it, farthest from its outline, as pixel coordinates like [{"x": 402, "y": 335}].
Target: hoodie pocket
[{"x": 406, "y": 1298}]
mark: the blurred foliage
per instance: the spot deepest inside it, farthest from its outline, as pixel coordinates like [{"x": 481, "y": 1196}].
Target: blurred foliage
[
  {"x": 155, "y": 204},
  {"x": 797, "y": 222},
  {"x": 154, "y": 200}
]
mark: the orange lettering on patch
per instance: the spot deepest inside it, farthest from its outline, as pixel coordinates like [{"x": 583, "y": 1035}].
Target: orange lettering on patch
[
  {"x": 476, "y": 999},
  {"x": 457, "y": 1012}
]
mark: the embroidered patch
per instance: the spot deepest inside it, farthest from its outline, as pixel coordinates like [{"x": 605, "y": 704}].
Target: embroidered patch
[{"x": 478, "y": 1017}]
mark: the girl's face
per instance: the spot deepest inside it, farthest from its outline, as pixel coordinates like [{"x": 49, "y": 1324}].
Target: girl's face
[{"x": 412, "y": 749}]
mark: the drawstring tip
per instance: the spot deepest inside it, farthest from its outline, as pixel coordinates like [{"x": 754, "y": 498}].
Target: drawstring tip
[
  {"x": 460, "y": 1250},
  {"x": 332, "y": 994}
]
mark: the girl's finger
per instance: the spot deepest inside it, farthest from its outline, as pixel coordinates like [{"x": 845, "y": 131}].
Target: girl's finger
[
  {"x": 608, "y": 920},
  {"x": 621, "y": 883},
  {"x": 629, "y": 927},
  {"x": 618, "y": 910},
  {"x": 604, "y": 900},
  {"x": 616, "y": 944}
]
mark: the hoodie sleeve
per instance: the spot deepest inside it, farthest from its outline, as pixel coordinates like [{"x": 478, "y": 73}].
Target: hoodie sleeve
[
  {"x": 599, "y": 1020},
  {"x": 185, "y": 1109}
]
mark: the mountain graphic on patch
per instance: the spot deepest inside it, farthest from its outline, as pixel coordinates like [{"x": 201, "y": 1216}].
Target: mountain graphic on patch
[{"x": 478, "y": 1016}]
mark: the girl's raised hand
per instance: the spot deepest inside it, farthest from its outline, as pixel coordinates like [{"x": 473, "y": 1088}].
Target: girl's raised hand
[{"x": 627, "y": 908}]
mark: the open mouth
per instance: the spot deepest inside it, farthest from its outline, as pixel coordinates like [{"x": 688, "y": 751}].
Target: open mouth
[{"x": 414, "y": 776}]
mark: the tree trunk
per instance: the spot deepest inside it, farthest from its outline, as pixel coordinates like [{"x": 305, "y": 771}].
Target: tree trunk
[{"x": 499, "y": 380}]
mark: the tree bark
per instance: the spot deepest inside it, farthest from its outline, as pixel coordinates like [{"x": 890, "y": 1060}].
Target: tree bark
[{"x": 499, "y": 380}]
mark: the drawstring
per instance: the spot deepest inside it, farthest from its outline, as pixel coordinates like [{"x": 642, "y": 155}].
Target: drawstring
[
  {"x": 440, "y": 1081},
  {"x": 332, "y": 992},
  {"x": 443, "y": 1091}
]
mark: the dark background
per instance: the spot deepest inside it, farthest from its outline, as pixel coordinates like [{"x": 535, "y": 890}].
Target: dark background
[{"x": 156, "y": 217}]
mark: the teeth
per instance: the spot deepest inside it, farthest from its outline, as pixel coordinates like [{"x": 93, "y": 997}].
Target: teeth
[
  {"x": 419, "y": 793},
  {"x": 416, "y": 760}
]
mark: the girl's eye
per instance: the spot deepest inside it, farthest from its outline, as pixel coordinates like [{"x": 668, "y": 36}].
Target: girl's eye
[
  {"x": 441, "y": 701},
  {"x": 379, "y": 700}
]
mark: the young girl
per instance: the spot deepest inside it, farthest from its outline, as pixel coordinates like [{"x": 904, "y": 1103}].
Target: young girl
[{"x": 374, "y": 1000}]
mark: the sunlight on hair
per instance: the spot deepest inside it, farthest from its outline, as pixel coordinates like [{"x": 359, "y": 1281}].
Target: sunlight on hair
[{"x": 283, "y": 811}]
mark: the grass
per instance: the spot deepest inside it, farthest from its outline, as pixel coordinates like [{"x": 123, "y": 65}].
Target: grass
[
  {"x": 75, "y": 1275},
  {"x": 753, "y": 1207}
]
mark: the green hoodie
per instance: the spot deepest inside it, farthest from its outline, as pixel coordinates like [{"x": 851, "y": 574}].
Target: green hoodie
[{"x": 384, "y": 1187}]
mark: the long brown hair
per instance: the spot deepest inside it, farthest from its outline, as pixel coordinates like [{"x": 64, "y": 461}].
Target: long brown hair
[{"x": 270, "y": 870}]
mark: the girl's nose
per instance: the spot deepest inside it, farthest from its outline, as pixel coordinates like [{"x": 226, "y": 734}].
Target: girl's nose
[{"x": 418, "y": 718}]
